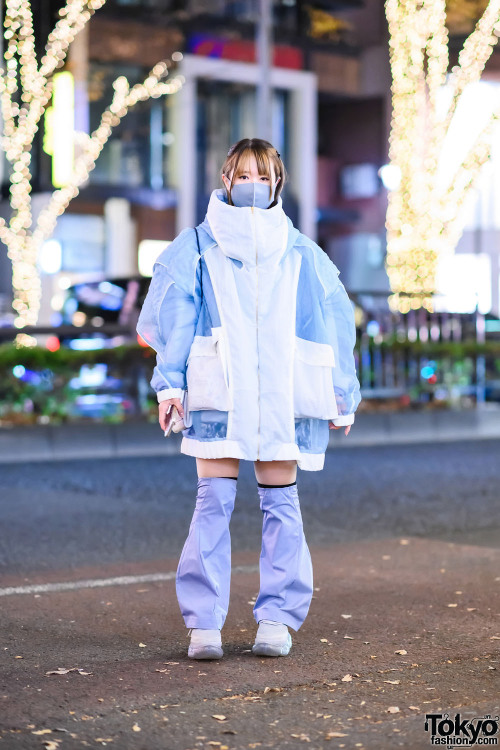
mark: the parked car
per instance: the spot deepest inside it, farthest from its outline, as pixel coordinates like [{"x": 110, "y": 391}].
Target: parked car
[{"x": 106, "y": 310}]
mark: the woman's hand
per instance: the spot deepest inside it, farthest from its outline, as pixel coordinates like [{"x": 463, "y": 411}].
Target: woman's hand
[
  {"x": 164, "y": 409},
  {"x": 334, "y": 427}
]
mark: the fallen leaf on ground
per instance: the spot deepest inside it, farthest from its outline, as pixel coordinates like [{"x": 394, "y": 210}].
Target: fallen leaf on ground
[
  {"x": 172, "y": 663},
  {"x": 495, "y": 638},
  {"x": 347, "y": 678},
  {"x": 303, "y": 737},
  {"x": 42, "y": 731},
  {"x": 62, "y": 670},
  {"x": 219, "y": 717},
  {"x": 393, "y": 710},
  {"x": 401, "y": 651},
  {"x": 272, "y": 690},
  {"x": 471, "y": 609},
  {"x": 452, "y": 605},
  {"x": 142, "y": 645},
  {"x": 349, "y": 637},
  {"x": 324, "y": 640},
  {"x": 136, "y": 728},
  {"x": 346, "y": 617},
  {"x": 393, "y": 682},
  {"x": 414, "y": 708},
  {"x": 50, "y": 745}
]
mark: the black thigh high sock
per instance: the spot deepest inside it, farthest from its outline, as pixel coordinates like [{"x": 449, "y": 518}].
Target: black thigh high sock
[
  {"x": 277, "y": 485},
  {"x": 235, "y": 478}
]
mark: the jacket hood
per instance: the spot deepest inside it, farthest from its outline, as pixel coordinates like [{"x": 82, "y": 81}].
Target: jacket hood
[{"x": 243, "y": 234}]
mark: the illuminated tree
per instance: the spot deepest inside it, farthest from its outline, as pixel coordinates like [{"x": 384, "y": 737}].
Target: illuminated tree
[
  {"x": 423, "y": 217},
  {"x": 26, "y": 88}
]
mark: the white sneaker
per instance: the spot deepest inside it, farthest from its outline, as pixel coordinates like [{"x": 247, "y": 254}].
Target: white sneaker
[
  {"x": 272, "y": 639},
  {"x": 205, "y": 644}
]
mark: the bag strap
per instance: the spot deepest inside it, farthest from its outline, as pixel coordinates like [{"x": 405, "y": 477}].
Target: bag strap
[{"x": 201, "y": 266}]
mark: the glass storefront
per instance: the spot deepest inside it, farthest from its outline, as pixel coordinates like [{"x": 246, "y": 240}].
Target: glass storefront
[
  {"x": 226, "y": 113},
  {"x": 137, "y": 152}
]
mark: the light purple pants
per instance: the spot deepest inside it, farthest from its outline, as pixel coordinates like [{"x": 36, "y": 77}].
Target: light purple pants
[{"x": 204, "y": 570}]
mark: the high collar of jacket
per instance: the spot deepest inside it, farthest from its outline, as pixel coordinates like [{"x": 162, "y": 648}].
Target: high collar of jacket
[{"x": 253, "y": 236}]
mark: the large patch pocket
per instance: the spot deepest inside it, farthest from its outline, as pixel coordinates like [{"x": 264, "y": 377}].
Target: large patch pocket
[
  {"x": 313, "y": 391},
  {"x": 207, "y": 386}
]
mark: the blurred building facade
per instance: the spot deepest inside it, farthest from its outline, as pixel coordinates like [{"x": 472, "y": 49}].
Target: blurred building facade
[
  {"x": 330, "y": 121},
  {"x": 330, "y": 111}
]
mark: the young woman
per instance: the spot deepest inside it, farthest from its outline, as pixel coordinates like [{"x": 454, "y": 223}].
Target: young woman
[{"x": 254, "y": 335}]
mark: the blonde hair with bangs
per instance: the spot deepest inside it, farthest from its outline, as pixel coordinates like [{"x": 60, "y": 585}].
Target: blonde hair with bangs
[{"x": 266, "y": 157}]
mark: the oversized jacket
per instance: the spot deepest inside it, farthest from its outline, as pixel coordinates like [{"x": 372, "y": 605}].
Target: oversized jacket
[{"x": 255, "y": 333}]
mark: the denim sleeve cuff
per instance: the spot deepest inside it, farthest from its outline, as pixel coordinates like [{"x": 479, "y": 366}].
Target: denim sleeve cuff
[
  {"x": 170, "y": 393},
  {"x": 343, "y": 420}
]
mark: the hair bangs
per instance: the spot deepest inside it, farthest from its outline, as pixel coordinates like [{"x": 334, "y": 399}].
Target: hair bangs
[{"x": 261, "y": 157}]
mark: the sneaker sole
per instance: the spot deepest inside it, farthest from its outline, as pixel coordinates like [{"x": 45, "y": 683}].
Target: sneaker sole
[
  {"x": 205, "y": 652},
  {"x": 272, "y": 649}
]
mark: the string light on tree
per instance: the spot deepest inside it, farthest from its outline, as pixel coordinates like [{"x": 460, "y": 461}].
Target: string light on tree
[
  {"x": 25, "y": 92},
  {"x": 423, "y": 218}
]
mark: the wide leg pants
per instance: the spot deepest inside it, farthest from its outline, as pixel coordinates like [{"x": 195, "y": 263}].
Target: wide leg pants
[{"x": 204, "y": 572}]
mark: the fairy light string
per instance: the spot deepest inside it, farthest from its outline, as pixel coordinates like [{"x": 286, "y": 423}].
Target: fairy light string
[
  {"x": 423, "y": 217},
  {"x": 25, "y": 92}
]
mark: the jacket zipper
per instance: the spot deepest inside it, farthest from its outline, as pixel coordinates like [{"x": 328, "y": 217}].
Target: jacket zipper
[{"x": 257, "y": 324}]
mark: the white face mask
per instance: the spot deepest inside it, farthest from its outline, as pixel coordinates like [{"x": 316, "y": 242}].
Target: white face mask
[{"x": 252, "y": 194}]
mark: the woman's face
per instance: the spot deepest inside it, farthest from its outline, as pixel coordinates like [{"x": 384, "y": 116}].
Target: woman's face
[{"x": 250, "y": 173}]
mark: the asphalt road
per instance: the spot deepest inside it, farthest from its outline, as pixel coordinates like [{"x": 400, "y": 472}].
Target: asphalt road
[
  {"x": 405, "y": 546},
  {"x": 65, "y": 515}
]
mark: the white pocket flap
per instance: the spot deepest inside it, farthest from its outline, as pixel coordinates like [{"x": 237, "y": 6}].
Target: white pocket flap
[
  {"x": 202, "y": 346},
  {"x": 314, "y": 353}
]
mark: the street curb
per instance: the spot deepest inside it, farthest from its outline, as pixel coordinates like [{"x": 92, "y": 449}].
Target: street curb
[
  {"x": 388, "y": 428},
  {"x": 132, "y": 439}
]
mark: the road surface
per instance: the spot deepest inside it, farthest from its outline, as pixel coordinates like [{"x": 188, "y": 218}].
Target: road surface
[{"x": 405, "y": 619}]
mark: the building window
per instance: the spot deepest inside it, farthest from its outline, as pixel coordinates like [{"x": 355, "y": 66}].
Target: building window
[{"x": 137, "y": 154}]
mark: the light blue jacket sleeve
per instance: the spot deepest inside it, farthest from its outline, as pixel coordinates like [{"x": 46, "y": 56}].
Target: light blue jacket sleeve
[
  {"x": 342, "y": 334},
  {"x": 341, "y": 331},
  {"x": 167, "y": 321}
]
